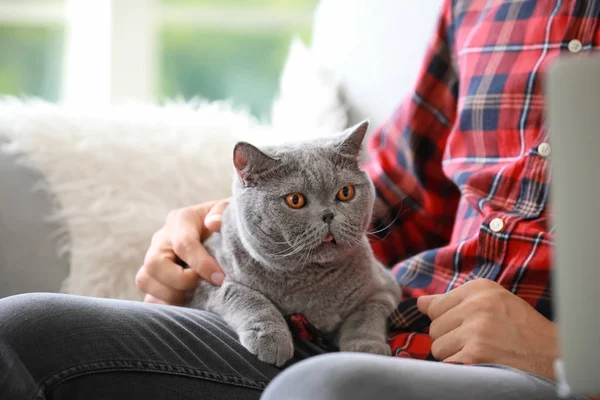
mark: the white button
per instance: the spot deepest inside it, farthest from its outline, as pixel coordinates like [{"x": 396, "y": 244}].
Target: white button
[
  {"x": 544, "y": 149},
  {"x": 575, "y": 46},
  {"x": 496, "y": 225}
]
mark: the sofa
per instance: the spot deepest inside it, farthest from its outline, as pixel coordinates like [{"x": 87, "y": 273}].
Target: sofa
[{"x": 374, "y": 47}]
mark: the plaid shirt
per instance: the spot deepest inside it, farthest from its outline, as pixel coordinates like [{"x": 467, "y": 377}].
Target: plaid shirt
[{"x": 461, "y": 169}]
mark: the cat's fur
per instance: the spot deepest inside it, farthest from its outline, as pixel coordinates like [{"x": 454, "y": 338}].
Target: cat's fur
[{"x": 276, "y": 262}]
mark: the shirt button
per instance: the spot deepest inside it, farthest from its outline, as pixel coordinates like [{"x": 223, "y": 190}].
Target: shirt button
[
  {"x": 575, "y": 46},
  {"x": 544, "y": 149},
  {"x": 496, "y": 225}
]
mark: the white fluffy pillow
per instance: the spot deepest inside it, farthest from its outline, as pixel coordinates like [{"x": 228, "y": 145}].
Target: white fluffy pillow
[{"x": 117, "y": 172}]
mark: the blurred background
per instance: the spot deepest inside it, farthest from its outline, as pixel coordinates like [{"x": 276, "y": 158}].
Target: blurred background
[{"x": 110, "y": 51}]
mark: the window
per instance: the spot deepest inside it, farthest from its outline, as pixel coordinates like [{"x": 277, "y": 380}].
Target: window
[
  {"x": 32, "y": 39},
  {"x": 232, "y": 49},
  {"x": 109, "y": 51}
]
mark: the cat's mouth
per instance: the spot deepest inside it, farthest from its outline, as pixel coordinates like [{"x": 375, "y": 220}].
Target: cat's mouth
[{"x": 329, "y": 238}]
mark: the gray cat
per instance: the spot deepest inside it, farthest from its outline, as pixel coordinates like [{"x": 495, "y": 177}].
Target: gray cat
[{"x": 294, "y": 240}]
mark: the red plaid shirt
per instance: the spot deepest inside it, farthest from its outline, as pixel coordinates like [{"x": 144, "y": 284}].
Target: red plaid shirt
[{"x": 461, "y": 169}]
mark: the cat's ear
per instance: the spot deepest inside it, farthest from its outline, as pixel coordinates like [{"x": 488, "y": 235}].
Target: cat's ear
[
  {"x": 250, "y": 161},
  {"x": 352, "y": 139}
]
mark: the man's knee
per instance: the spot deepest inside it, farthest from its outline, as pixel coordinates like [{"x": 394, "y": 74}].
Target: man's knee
[
  {"x": 345, "y": 376},
  {"x": 20, "y": 315},
  {"x": 23, "y": 337}
]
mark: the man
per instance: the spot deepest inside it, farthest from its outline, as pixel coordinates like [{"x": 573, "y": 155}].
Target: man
[{"x": 462, "y": 183}]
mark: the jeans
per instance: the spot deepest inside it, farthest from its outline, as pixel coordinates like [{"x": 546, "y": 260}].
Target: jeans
[{"x": 55, "y": 346}]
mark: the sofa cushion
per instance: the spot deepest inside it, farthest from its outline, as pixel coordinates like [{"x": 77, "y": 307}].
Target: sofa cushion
[{"x": 29, "y": 259}]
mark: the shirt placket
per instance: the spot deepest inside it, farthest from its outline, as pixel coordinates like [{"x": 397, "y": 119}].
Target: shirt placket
[{"x": 581, "y": 31}]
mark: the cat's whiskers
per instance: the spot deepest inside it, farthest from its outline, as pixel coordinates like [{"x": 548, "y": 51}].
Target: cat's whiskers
[
  {"x": 304, "y": 260},
  {"x": 313, "y": 234},
  {"x": 299, "y": 242},
  {"x": 284, "y": 242},
  {"x": 348, "y": 231},
  {"x": 349, "y": 234},
  {"x": 305, "y": 240},
  {"x": 270, "y": 237},
  {"x": 398, "y": 215},
  {"x": 289, "y": 251},
  {"x": 287, "y": 242},
  {"x": 354, "y": 241},
  {"x": 295, "y": 250},
  {"x": 308, "y": 259}
]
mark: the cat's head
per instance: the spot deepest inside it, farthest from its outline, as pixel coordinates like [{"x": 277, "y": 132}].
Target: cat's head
[{"x": 303, "y": 203}]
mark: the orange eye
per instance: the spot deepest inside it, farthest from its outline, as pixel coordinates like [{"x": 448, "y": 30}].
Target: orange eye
[
  {"x": 345, "y": 193},
  {"x": 295, "y": 200}
]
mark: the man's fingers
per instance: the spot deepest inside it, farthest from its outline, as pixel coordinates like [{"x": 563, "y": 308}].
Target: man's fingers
[
  {"x": 447, "y": 322},
  {"x": 467, "y": 355},
  {"x": 448, "y": 345},
  {"x": 215, "y": 215},
  {"x": 180, "y": 239},
  {"x": 186, "y": 225},
  {"x": 159, "y": 291},
  {"x": 207, "y": 267},
  {"x": 198, "y": 259},
  {"x": 151, "y": 299},
  {"x": 457, "y": 358},
  {"x": 173, "y": 275},
  {"x": 443, "y": 303},
  {"x": 185, "y": 239},
  {"x": 424, "y": 302},
  {"x": 436, "y": 305}
]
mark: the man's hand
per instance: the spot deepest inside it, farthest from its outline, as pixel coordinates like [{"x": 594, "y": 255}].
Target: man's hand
[
  {"x": 181, "y": 238},
  {"x": 483, "y": 323}
]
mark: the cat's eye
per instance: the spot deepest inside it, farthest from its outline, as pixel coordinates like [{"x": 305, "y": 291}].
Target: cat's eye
[
  {"x": 345, "y": 193},
  {"x": 295, "y": 200}
]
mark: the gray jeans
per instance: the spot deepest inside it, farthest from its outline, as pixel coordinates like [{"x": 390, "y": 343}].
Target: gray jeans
[{"x": 67, "y": 347}]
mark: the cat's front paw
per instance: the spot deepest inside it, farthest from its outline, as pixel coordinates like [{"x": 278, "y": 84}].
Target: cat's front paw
[
  {"x": 271, "y": 344},
  {"x": 366, "y": 346}
]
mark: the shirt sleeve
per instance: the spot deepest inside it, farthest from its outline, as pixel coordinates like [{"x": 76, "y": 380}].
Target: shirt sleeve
[{"x": 416, "y": 203}]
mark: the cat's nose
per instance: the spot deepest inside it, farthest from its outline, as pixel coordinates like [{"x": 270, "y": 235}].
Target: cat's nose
[{"x": 328, "y": 217}]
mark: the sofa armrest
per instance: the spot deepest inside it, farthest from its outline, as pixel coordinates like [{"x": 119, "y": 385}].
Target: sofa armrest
[{"x": 29, "y": 261}]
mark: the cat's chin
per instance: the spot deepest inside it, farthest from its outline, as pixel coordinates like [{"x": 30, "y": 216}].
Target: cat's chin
[
  {"x": 323, "y": 252},
  {"x": 331, "y": 251}
]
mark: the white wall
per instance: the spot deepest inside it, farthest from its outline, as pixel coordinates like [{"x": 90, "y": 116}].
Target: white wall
[{"x": 377, "y": 46}]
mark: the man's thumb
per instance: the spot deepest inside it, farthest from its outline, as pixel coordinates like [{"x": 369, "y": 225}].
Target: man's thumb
[{"x": 214, "y": 216}]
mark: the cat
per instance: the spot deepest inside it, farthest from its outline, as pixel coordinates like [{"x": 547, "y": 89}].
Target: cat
[{"x": 294, "y": 241}]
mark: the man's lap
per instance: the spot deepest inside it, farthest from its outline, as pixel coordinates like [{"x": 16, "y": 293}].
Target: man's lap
[{"x": 77, "y": 347}]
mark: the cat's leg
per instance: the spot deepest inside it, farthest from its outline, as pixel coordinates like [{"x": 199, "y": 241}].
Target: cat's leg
[
  {"x": 365, "y": 329},
  {"x": 259, "y": 324}
]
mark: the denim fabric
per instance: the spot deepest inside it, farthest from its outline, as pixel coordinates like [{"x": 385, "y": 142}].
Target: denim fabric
[
  {"x": 56, "y": 346},
  {"x": 59, "y": 347},
  {"x": 351, "y": 376}
]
